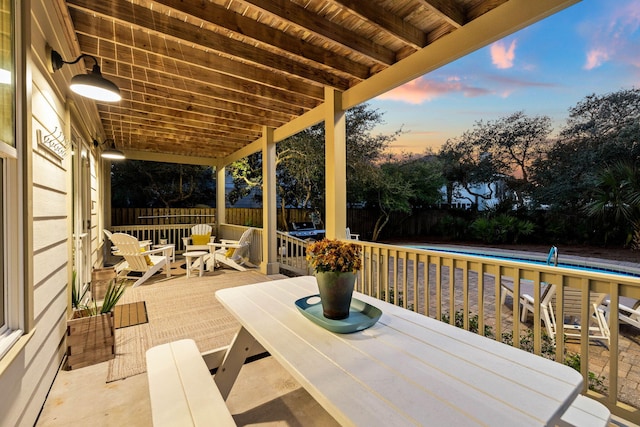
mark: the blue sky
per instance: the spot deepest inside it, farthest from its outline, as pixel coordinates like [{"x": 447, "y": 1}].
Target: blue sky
[{"x": 591, "y": 47}]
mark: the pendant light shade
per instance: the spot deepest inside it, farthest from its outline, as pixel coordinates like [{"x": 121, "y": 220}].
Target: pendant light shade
[
  {"x": 92, "y": 85},
  {"x": 111, "y": 152}
]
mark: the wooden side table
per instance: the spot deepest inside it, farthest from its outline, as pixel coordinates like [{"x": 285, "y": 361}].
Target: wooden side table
[{"x": 191, "y": 258}]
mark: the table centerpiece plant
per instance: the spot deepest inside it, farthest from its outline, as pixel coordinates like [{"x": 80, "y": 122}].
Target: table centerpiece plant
[{"x": 335, "y": 264}]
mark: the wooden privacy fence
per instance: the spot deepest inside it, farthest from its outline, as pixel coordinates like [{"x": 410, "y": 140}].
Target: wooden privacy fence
[
  {"x": 248, "y": 217},
  {"x": 361, "y": 221}
]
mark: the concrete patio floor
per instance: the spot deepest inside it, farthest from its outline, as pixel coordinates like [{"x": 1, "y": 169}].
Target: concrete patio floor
[{"x": 264, "y": 394}]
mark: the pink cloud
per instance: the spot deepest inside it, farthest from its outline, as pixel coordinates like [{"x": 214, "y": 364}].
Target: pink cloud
[
  {"x": 503, "y": 56},
  {"x": 423, "y": 90},
  {"x": 610, "y": 36},
  {"x": 595, "y": 58}
]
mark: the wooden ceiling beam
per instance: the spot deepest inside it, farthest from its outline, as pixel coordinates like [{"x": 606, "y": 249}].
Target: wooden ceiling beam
[
  {"x": 262, "y": 33},
  {"x": 387, "y": 22},
  {"x": 299, "y": 16},
  {"x": 167, "y": 26},
  {"x": 449, "y": 11}
]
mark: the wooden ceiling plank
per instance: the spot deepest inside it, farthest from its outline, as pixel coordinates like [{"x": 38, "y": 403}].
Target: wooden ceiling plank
[
  {"x": 299, "y": 16},
  {"x": 215, "y": 127},
  {"x": 218, "y": 128},
  {"x": 193, "y": 114},
  {"x": 199, "y": 159},
  {"x": 211, "y": 141},
  {"x": 220, "y": 125},
  {"x": 387, "y": 22},
  {"x": 141, "y": 17},
  {"x": 448, "y": 10},
  {"x": 262, "y": 33}
]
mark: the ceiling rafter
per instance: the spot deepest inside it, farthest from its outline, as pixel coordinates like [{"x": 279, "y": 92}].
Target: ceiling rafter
[{"x": 299, "y": 16}]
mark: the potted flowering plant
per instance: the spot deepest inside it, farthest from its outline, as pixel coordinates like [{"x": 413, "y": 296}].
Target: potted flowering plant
[{"x": 335, "y": 264}]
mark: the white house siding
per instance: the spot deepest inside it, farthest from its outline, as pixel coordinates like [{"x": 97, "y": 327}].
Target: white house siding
[{"x": 26, "y": 381}]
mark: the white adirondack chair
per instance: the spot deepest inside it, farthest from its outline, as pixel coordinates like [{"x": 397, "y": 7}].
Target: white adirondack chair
[
  {"x": 233, "y": 253},
  {"x": 199, "y": 238},
  {"x": 138, "y": 259},
  {"x": 143, "y": 243}
]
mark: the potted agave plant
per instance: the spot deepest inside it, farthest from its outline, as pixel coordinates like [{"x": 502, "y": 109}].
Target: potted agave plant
[
  {"x": 335, "y": 264},
  {"x": 91, "y": 331}
]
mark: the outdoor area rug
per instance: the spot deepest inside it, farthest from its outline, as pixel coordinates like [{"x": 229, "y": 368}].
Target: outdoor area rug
[
  {"x": 177, "y": 308},
  {"x": 125, "y": 315}
]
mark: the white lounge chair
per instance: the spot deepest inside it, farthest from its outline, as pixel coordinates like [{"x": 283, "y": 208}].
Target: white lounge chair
[
  {"x": 526, "y": 288},
  {"x": 233, "y": 253},
  {"x": 628, "y": 310},
  {"x": 137, "y": 259},
  {"x": 598, "y": 328},
  {"x": 199, "y": 238}
]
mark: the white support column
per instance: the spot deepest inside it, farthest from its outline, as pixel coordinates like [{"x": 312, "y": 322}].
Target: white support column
[
  {"x": 221, "y": 217},
  {"x": 335, "y": 165},
  {"x": 269, "y": 209}
]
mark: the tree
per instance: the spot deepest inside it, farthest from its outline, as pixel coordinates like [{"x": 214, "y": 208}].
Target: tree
[
  {"x": 401, "y": 184},
  {"x": 504, "y": 149},
  {"x": 600, "y": 131},
  {"x": 617, "y": 199},
  {"x": 136, "y": 183},
  {"x": 300, "y": 162}
]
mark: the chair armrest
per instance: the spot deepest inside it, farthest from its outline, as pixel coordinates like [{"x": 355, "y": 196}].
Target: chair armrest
[
  {"x": 528, "y": 298},
  {"x": 155, "y": 251},
  {"x": 224, "y": 245},
  {"x": 229, "y": 241}
]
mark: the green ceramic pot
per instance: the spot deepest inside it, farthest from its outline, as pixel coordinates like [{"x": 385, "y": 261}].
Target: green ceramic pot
[{"x": 336, "y": 290}]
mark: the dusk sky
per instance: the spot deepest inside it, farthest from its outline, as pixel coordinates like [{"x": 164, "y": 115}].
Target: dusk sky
[{"x": 591, "y": 47}]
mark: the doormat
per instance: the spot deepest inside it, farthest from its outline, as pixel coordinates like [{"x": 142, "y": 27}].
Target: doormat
[{"x": 131, "y": 314}]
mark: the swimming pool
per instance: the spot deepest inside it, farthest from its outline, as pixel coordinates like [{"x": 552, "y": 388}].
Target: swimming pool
[{"x": 574, "y": 263}]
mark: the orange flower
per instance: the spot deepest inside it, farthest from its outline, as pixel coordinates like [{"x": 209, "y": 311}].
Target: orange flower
[{"x": 334, "y": 255}]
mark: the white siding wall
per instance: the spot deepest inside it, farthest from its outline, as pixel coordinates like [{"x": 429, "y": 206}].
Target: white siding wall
[{"x": 25, "y": 383}]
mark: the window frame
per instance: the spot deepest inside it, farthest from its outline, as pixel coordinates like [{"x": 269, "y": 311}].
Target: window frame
[{"x": 13, "y": 203}]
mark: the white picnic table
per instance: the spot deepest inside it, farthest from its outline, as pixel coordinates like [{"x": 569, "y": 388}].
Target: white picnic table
[{"x": 407, "y": 369}]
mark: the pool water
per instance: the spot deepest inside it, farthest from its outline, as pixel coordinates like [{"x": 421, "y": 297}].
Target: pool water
[{"x": 531, "y": 260}]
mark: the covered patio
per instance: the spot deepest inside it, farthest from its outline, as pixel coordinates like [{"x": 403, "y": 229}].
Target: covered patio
[{"x": 206, "y": 83}]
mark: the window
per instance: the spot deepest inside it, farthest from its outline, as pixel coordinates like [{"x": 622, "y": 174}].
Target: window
[
  {"x": 11, "y": 295},
  {"x": 7, "y": 74}
]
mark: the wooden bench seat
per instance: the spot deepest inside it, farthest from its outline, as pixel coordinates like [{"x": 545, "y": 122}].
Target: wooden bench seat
[
  {"x": 585, "y": 412},
  {"x": 182, "y": 390}
]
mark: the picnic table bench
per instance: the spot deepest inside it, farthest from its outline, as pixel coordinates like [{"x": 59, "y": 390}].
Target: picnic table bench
[{"x": 182, "y": 390}]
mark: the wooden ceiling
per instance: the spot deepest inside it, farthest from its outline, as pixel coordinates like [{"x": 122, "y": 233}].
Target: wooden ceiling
[{"x": 203, "y": 77}]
